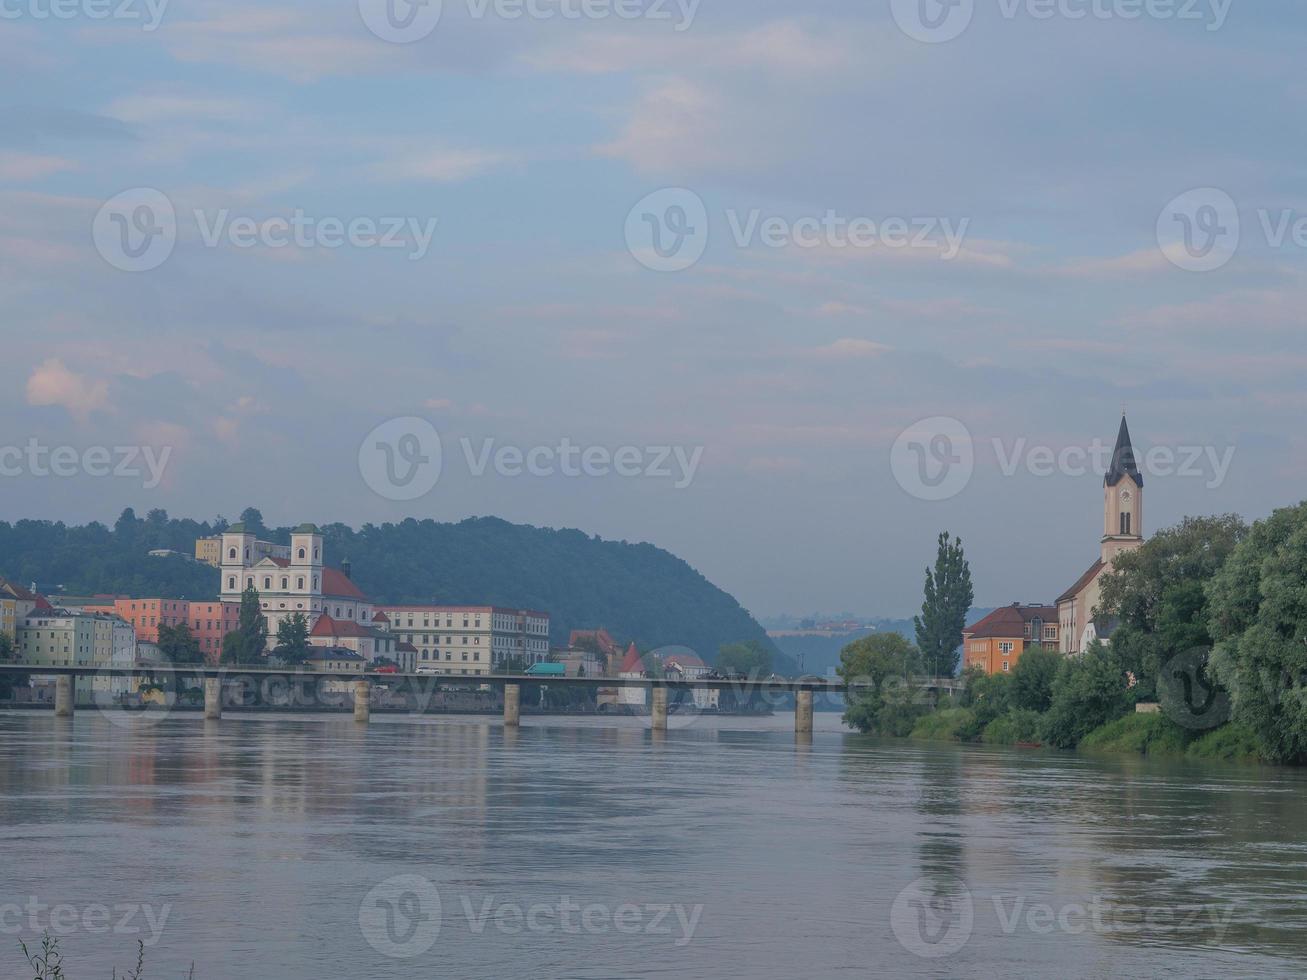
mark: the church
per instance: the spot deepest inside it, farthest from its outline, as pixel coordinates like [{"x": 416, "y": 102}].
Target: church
[{"x": 1123, "y": 530}]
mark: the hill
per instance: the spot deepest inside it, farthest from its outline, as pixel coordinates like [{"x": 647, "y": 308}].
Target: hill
[{"x": 636, "y": 591}]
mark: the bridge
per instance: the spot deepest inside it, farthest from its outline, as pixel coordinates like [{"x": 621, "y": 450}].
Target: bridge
[{"x": 214, "y": 678}]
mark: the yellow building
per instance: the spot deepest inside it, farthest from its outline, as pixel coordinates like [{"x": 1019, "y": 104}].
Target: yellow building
[{"x": 1123, "y": 530}]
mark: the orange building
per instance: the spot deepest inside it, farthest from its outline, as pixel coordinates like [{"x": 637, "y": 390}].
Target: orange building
[{"x": 996, "y": 643}]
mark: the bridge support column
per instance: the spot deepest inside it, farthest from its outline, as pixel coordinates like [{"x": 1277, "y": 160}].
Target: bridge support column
[
  {"x": 212, "y": 698},
  {"x": 658, "y": 709},
  {"x": 362, "y": 701},
  {"x": 65, "y": 696},
  {"x": 512, "y": 705},
  {"x": 803, "y": 713}
]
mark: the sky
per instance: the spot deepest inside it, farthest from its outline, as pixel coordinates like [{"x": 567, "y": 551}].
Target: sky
[{"x": 785, "y": 289}]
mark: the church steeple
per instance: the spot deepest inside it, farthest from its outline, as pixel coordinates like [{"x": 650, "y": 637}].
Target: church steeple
[
  {"x": 1123, "y": 459},
  {"x": 1123, "y": 499}
]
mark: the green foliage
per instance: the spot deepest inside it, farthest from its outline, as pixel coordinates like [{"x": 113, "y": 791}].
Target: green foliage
[
  {"x": 750, "y": 658},
  {"x": 1231, "y": 743},
  {"x": 944, "y": 612},
  {"x": 1089, "y": 691},
  {"x": 946, "y": 725},
  {"x": 1157, "y": 593},
  {"x": 293, "y": 640},
  {"x": 1032, "y": 679},
  {"x": 1258, "y": 618},
  {"x": 1136, "y": 734},
  {"x": 1018, "y": 725},
  {"x": 635, "y": 590},
  {"x": 885, "y": 663},
  {"x": 248, "y": 643}
]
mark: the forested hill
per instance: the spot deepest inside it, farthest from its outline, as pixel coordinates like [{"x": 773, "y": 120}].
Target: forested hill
[{"x": 636, "y": 591}]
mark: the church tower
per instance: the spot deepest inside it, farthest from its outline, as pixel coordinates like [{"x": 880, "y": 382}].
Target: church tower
[{"x": 1123, "y": 499}]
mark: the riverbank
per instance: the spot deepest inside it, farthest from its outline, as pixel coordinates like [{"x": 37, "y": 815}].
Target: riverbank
[{"x": 1153, "y": 735}]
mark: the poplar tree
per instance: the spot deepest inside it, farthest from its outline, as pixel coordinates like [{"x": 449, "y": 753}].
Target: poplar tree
[{"x": 944, "y": 612}]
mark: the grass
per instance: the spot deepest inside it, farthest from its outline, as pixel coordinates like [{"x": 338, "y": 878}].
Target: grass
[{"x": 943, "y": 725}]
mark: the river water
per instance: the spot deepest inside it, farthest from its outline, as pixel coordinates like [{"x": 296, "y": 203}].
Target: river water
[{"x": 308, "y": 847}]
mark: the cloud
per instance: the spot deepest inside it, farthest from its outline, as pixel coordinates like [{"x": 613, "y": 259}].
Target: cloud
[
  {"x": 52, "y": 383},
  {"x": 27, "y": 166},
  {"x": 440, "y": 165}
]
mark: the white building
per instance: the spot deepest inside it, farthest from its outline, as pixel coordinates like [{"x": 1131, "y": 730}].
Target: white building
[
  {"x": 470, "y": 640},
  {"x": 297, "y": 581}
]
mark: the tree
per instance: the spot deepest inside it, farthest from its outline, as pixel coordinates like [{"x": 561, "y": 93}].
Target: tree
[
  {"x": 293, "y": 640},
  {"x": 1032, "y": 679},
  {"x": 750, "y": 658},
  {"x": 1258, "y": 617},
  {"x": 885, "y": 663},
  {"x": 1157, "y": 596},
  {"x": 944, "y": 613},
  {"x": 1089, "y": 691},
  {"x": 248, "y": 643}
]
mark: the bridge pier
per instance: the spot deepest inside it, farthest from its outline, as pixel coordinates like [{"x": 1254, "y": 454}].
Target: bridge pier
[
  {"x": 803, "y": 713},
  {"x": 65, "y": 696},
  {"x": 658, "y": 709},
  {"x": 512, "y": 705},
  {"x": 212, "y": 698},
  {"x": 362, "y": 701}
]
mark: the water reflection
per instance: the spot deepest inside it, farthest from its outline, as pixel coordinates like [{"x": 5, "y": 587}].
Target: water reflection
[{"x": 264, "y": 835}]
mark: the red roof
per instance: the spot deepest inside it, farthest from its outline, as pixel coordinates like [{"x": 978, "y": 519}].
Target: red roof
[
  {"x": 632, "y": 664},
  {"x": 1010, "y": 622},
  {"x": 328, "y": 626},
  {"x": 336, "y": 583}
]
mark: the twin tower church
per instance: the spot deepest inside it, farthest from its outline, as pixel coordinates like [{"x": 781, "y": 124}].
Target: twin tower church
[{"x": 995, "y": 643}]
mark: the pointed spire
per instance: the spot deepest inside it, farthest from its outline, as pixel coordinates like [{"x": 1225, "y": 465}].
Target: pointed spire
[{"x": 1123, "y": 459}]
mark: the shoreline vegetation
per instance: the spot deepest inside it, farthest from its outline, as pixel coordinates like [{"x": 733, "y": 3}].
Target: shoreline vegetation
[{"x": 1206, "y": 658}]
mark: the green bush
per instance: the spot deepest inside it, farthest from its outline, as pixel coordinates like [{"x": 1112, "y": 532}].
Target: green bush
[
  {"x": 1232, "y": 742},
  {"x": 944, "y": 725},
  {"x": 1153, "y": 734},
  {"x": 1018, "y": 725}
]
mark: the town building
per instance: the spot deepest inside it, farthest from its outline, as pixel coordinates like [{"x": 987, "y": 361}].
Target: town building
[
  {"x": 470, "y": 640},
  {"x": 995, "y": 643},
  {"x": 1123, "y": 531},
  {"x": 684, "y": 664},
  {"x": 296, "y": 580}
]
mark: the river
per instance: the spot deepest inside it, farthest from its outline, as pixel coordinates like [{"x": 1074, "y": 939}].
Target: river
[{"x": 308, "y": 847}]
